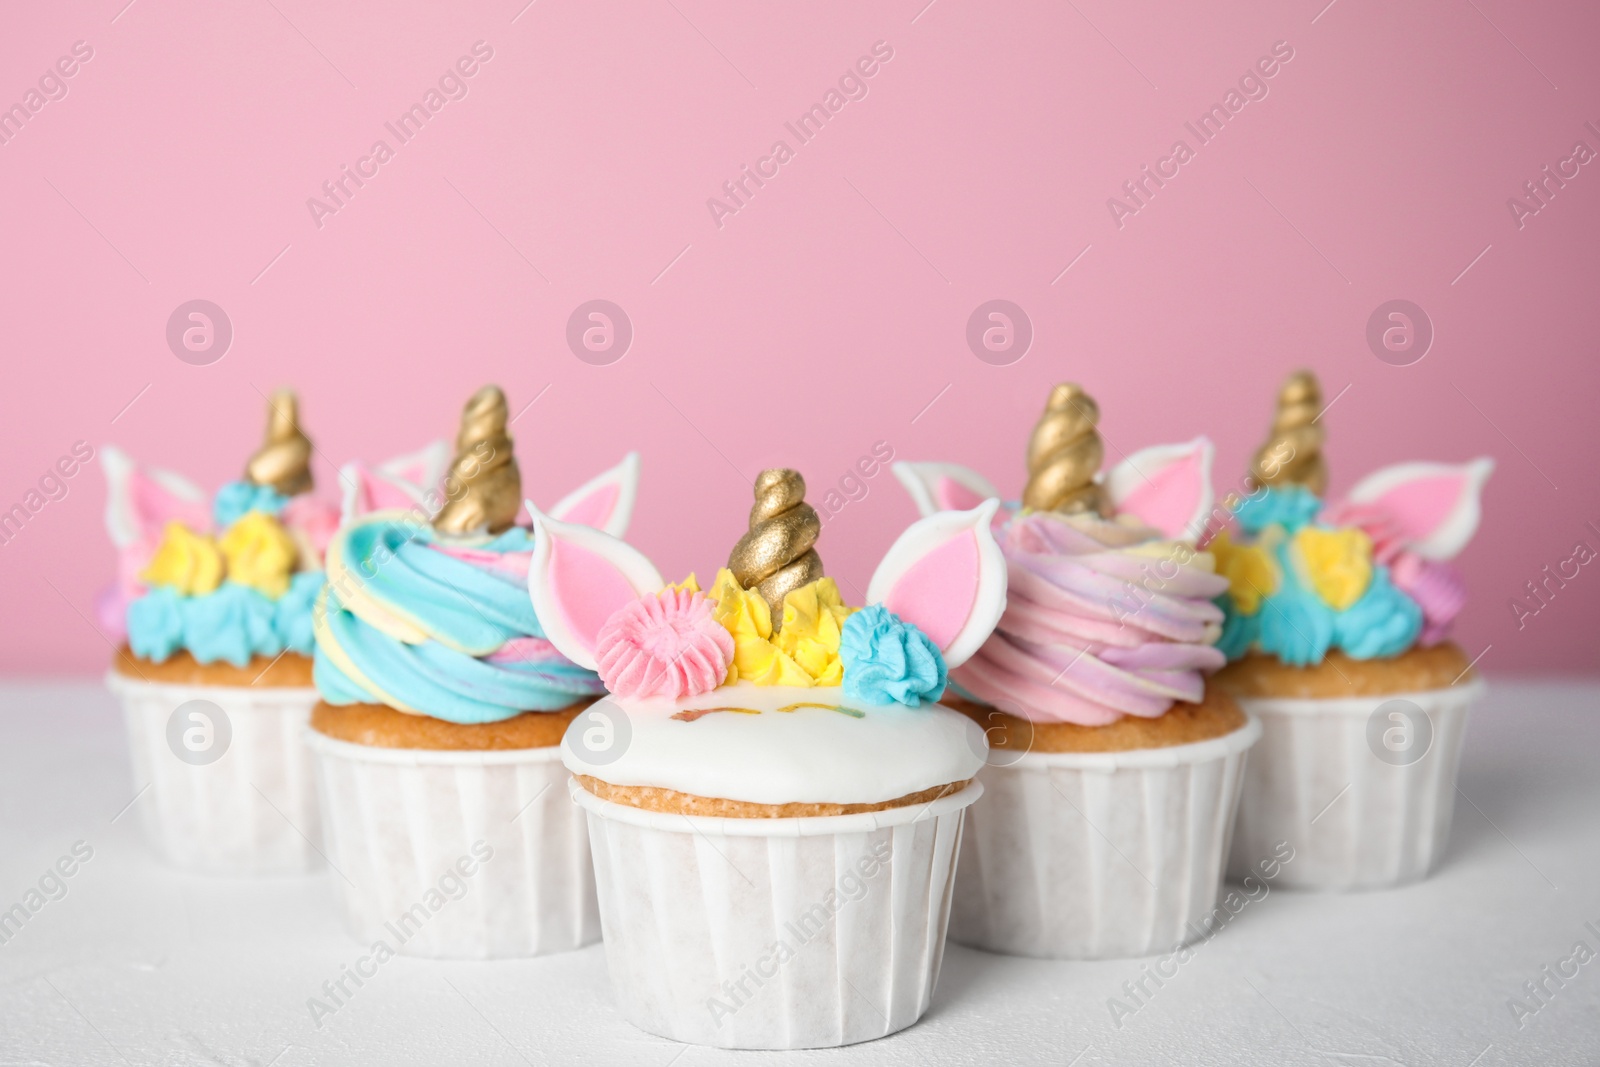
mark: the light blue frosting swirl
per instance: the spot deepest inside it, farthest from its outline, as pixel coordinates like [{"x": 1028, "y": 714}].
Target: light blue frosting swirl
[
  {"x": 468, "y": 612},
  {"x": 887, "y": 660},
  {"x": 233, "y": 623},
  {"x": 237, "y": 499},
  {"x": 1297, "y": 625}
]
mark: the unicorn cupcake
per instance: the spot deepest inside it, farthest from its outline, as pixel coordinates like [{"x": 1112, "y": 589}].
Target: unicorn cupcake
[
  {"x": 1337, "y": 623},
  {"x": 774, "y": 793},
  {"x": 1114, "y": 773},
  {"x": 442, "y": 703},
  {"x": 213, "y": 605}
]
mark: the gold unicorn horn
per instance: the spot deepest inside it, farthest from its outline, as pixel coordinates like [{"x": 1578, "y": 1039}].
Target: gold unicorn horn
[
  {"x": 1064, "y": 455},
  {"x": 1292, "y": 452},
  {"x": 777, "y": 554},
  {"x": 284, "y": 459},
  {"x": 484, "y": 487}
]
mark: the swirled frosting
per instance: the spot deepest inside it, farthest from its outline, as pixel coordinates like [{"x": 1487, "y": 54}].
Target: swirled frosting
[
  {"x": 437, "y": 626},
  {"x": 1103, "y": 619}
]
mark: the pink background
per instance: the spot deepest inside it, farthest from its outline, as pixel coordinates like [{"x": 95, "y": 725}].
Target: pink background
[{"x": 831, "y": 310}]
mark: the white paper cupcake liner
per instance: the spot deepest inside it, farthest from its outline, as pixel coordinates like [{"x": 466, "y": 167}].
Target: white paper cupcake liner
[
  {"x": 1098, "y": 855},
  {"x": 1356, "y": 819},
  {"x": 250, "y": 810},
  {"x": 408, "y": 832},
  {"x": 775, "y": 933}
]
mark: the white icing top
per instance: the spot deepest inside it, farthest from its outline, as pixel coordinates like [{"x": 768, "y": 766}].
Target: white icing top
[{"x": 858, "y": 754}]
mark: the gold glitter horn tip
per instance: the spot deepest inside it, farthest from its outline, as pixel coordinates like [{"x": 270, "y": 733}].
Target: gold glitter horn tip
[
  {"x": 777, "y": 556},
  {"x": 1292, "y": 452},
  {"x": 284, "y": 459},
  {"x": 1064, "y": 455},
  {"x": 483, "y": 490}
]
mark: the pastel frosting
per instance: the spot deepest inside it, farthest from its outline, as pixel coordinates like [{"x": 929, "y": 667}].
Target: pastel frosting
[
  {"x": 886, "y": 660},
  {"x": 1104, "y": 618},
  {"x": 681, "y": 642},
  {"x": 778, "y": 745},
  {"x": 437, "y": 626},
  {"x": 236, "y": 499},
  {"x": 232, "y": 624},
  {"x": 245, "y": 591},
  {"x": 805, "y": 651},
  {"x": 1300, "y": 585},
  {"x": 938, "y": 592},
  {"x": 666, "y": 645}
]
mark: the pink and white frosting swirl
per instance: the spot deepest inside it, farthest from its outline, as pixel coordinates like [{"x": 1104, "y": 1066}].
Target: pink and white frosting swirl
[{"x": 1103, "y": 619}]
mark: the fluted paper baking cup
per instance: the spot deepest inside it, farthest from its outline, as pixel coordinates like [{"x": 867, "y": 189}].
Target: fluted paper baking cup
[
  {"x": 456, "y": 854},
  {"x": 775, "y": 933},
  {"x": 224, "y": 783},
  {"x": 1099, "y": 855},
  {"x": 1362, "y": 788}
]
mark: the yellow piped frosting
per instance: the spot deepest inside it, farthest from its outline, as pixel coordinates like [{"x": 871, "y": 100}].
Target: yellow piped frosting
[
  {"x": 804, "y": 653},
  {"x": 260, "y": 553},
  {"x": 1338, "y": 563},
  {"x": 813, "y": 616},
  {"x": 1251, "y": 574},
  {"x": 188, "y": 562}
]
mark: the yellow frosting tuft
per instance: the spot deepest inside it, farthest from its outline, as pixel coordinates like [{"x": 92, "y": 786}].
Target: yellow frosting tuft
[
  {"x": 1338, "y": 563},
  {"x": 812, "y": 618},
  {"x": 260, "y": 553},
  {"x": 688, "y": 585},
  {"x": 186, "y": 561},
  {"x": 745, "y": 615},
  {"x": 1249, "y": 569}
]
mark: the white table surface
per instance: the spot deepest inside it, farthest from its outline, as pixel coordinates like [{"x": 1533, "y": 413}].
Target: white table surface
[{"x": 141, "y": 964}]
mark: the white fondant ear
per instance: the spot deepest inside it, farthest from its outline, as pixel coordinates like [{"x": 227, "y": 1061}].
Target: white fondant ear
[
  {"x": 140, "y": 503},
  {"x": 1430, "y": 508},
  {"x": 936, "y": 487},
  {"x": 397, "y": 483},
  {"x": 947, "y": 576},
  {"x": 1166, "y": 487},
  {"x": 578, "y": 578},
  {"x": 604, "y": 501}
]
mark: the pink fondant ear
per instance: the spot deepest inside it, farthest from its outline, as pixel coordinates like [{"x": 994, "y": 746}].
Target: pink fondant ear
[
  {"x": 936, "y": 487},
  {"x": 366, "y": 490},
  {"x": 400, "y": 483},
  {"x": 953, "y": 496},
  {"x": 1432, "y": 509},
  {"x": 947, "y": 576},
  {"x": 140, "y": 502},
  {"x": 1167, "y": 487},
  {"x": 578, "y": 578},
  {"x": 605, "y": 501}
]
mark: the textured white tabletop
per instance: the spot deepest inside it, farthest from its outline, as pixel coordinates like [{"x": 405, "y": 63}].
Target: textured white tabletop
[{"x": 140, "y": 964}]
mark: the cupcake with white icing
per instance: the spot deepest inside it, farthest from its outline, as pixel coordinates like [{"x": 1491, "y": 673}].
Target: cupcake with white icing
[
  {"x": 1115, "y": 769},
  {"x": 774, "y": 793},
  {"x": 442, "y": 705}
]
